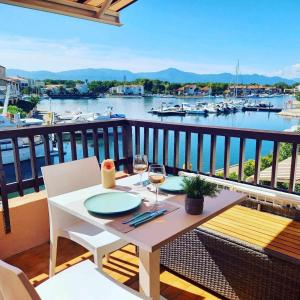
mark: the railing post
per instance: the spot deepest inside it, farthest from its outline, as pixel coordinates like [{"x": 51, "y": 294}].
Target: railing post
[
  {"x": 33, "y": 163},
  {"x": 17, "y": 165},
  {"x": 241, "y": 160},
  {"x": 127, "y": 147},
  {"x": 176, "y": 151},
  {"x": 146, "y": 141},
  {"x": 165, "y": 146},
  {"x": 212, "y": 165},
  {"x": 257, "y": 162},
  {"x": 187, "y": 158},
  {"x": 4, "y": 197},
  {"x": 96, "y": 143},
  {"x": 275, "y": 159},
  {"x": 116, "y": 146},
  {"x": 293, "y": 168},
  {"x": 155, "y": 145},
  {"x": 199, "y": 152},
  {"x": 226, "y": 157},
  {"x": 137, "y": 140}
]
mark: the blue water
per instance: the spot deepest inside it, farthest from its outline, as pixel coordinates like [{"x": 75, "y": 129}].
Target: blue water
[{"x": 138, "y": 108}]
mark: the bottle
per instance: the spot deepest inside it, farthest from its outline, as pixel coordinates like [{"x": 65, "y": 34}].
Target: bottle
[{"x": 108, "y": 172}]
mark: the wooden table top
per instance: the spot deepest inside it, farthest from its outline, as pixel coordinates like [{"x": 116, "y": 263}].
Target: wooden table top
[{"x": 155, "y": 234}]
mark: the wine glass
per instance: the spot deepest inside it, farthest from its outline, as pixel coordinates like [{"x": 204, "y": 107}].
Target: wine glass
[
  {"x": 140, "y": 165},
  {"x": 157, "y": 176}
]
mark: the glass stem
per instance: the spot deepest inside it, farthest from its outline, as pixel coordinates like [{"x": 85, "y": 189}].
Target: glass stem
[
  {"x": 141, "y": 175},
  {"x": 156, "y": 193}
]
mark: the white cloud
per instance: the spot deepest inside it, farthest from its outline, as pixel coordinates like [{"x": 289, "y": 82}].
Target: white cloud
[
  {"x": 291, "y": 72},
  {"x": 58, "y": 55}
]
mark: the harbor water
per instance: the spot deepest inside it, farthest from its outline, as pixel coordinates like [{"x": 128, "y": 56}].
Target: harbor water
[{"x": 137, "y": 108}]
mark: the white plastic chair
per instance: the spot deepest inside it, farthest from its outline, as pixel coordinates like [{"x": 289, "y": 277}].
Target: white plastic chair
[
  {"x": 81, "y": 281},
  {"x": 64, "y": 178}
]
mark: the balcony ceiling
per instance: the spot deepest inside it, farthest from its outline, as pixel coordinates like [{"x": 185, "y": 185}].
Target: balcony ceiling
[{"x": 104, "y": 11}]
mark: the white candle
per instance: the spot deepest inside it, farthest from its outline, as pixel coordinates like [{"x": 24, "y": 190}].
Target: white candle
[{"x": 108, "y": 172}]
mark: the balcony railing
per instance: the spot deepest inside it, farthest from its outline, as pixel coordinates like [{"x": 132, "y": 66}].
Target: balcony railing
[{"x": 192, "y": 148}]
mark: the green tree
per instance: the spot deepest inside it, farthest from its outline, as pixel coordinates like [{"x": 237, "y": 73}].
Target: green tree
[
  {"x": 249, "y": 168},
  {"x": 12, "y": 109},
  {"x": 35, "y": 100},
  {"x": 266, "y": 161},
  {"x": 298, "y": 96}
]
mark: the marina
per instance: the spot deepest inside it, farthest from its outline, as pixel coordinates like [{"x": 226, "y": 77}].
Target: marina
[
  {"x": 138, "y": 108},
  {"x": 220, "y": 107}
]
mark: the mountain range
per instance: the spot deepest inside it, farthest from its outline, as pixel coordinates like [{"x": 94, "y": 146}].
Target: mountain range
[{"x": 171, "y": 75}]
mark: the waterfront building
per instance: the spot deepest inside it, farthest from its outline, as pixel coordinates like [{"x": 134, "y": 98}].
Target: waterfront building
[
  {"x": 55, "y": 88},
  {"x": 254, "y": 89},
  {"x": 15, "y": 93},
  {"x": 193, "y": 90},
  {"x": 39, "y": 84},
  {"x": 132, "y": 89},
  {"x": 297, "y": 89},
  {"x": 2, "y": 72},
  {"x": 82, "y": 88}
]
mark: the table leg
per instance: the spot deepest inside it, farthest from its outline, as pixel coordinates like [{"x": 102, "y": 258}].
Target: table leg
[{"x": 149, "y": 273}]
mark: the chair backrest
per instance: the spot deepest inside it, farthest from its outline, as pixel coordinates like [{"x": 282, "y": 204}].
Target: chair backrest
[
  {"x": 71, "y": 176},
  {"x": 15, "y": 285}
]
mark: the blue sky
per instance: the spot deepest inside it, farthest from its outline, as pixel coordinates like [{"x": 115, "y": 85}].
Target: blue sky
[{"x": 202, "y": 36}]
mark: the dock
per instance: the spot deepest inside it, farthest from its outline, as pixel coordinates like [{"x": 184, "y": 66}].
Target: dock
[
  {"x": 262, "y": 109},
  {"x": 171, "y": 113},
  {"x": 293, "y": 113}
]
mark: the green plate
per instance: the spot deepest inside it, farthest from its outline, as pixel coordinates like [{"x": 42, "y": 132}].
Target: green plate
[
  {"x": 172, "y": 184},
  {"x": 112, "y": 203}
]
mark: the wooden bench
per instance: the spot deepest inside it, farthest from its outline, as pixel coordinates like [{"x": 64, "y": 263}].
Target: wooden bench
[
  {"x": 264, "y": 230},
  {"x": 242, "y": 253}
]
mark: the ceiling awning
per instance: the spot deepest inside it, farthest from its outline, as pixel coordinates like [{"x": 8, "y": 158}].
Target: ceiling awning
[{"x": 104, "y": 11}]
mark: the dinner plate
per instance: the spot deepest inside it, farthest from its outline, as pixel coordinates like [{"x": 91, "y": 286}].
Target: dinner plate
[
  {"x": 112, "y": 203},
  {"x": 173, "y": 184}
]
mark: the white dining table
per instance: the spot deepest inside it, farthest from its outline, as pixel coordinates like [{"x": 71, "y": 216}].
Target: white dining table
[{"x": 151, "y": 236}]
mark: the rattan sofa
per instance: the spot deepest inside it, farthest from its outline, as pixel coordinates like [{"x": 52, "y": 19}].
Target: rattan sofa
[{"x": 232, "y": 268}]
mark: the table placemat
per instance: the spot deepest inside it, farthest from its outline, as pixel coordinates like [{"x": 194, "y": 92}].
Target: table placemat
[{"x": 117, "y": 223}]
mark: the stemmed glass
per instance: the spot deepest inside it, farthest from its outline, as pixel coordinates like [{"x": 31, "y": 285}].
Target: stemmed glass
[
  {"x": 140, "y": 165},
  {"x": 157, "y": 176}
]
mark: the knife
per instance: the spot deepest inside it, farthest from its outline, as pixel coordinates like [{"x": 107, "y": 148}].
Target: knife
[
  {"x": 147, "y": 218},
  {"x": 135, "y": 216}
]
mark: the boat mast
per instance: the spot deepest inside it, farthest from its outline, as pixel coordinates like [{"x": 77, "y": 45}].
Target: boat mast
[{"x": 237, "y": 70}]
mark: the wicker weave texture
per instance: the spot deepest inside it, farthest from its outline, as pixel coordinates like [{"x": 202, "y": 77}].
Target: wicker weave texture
[{"x": 233, "y": 270}]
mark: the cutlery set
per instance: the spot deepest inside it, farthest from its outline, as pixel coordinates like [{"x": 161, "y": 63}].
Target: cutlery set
[{"x": 143, "y": 217}]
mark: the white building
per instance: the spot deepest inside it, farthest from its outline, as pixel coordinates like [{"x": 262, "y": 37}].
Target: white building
[
  {"x": 297, "y": 89},
  {"x": 2, "y": 72},
  {"x": 15, "y": 93},
  {"x": 39, "y": 84},
  {"x": 127, "y": 90},
  {"x": 82, "y": 88},
  {"x": 54, "y": 88}
]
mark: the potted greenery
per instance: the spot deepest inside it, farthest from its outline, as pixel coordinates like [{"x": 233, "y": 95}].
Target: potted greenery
[{"x": 195, "y": 189}]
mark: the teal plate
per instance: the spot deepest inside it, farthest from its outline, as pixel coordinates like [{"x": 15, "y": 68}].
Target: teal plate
[
  {"x": 172, "y": 184},
  {"x": 112, "y": 203}
]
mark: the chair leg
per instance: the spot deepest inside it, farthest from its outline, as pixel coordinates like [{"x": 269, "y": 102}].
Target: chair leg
[{"x": 53, "y": 255}]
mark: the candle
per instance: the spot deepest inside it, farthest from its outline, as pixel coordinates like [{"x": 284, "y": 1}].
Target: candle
[{"x": 108, "y": 172}]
